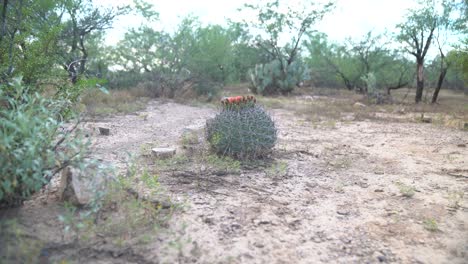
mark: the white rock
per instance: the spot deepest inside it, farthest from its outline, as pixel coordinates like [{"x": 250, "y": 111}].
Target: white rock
[
  {"x": 80, "y": 186},
  {"x": 360, "y": 105},
  {"x": 104, "y": 131},
  {"x": 426, "y": 119},
  {"x": 163, "y": 153}
]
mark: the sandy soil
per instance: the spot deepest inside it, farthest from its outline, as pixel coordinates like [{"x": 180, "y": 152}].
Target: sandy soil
[{"x": 330, "y": 194}]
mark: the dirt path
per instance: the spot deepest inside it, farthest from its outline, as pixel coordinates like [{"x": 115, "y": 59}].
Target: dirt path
[
  {"x": 339, "y": 200},
  {"x": 355, "y": 192},
  {"x": 161, "y": 125}
]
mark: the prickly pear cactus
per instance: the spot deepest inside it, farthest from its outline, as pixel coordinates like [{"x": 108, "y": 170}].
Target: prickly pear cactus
[
  {"x": 277, "y": 76},
  {"x": 242, "y": 129}
]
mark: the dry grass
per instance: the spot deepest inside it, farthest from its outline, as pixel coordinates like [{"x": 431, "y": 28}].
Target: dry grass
[
  {"x": 96, "y": 103},
  {"x": 342, "y": 105},
  {"x": 317, "y": 105}
]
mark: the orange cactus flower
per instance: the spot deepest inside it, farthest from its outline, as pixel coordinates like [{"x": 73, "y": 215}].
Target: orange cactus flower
[{"x": 238, "y": 100}]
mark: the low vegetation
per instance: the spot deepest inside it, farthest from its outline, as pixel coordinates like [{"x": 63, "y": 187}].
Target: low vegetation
[{"x": 35, "y": 141}]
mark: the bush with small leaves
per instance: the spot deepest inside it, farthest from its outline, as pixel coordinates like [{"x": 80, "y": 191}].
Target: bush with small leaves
[
  {"x": 33, "y": 143},
  {"x": 242, "y": 129}
]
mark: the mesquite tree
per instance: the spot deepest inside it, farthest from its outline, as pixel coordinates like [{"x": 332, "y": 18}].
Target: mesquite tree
[
  {"x": 276, "y": 23},
  {"x": 451, "y": 22},
  {"x": 28, "y": 33},
  {"x": 85, "y": 19},
  {"x": 417, "y": 34}
]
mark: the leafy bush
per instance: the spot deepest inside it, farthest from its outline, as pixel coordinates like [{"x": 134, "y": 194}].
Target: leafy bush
[
  {"x": 242, "y": 130},
  {"x": 33, "y": 144},
  {"x": 277, "y": 77}
]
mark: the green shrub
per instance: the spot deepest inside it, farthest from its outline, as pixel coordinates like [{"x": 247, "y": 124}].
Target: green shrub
[
  {"x": 277, "y": 77},
  {"x": 33, "y": 143},
  {"x": 242, "y": 132}
]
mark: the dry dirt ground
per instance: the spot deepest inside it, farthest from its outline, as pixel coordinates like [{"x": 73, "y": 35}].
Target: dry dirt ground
[{"x": 355, "y": 191}]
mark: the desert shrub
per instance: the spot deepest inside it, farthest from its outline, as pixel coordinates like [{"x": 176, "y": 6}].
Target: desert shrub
[
  {"x": 206, "y": 87},
  {"x": 33, "y": 143},
  {"x": 277, "y": 77},
  {"x": 241, "y": 130},
  {"x": 155, "y": 84},
  {"x": 374, "y": 94}
]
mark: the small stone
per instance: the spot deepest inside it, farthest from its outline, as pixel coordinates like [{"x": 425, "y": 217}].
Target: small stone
[
  {"x": 461, "y": 145},
  {"x": 359, "y": 105},
  {"x": 105, "y": 131},
  {"x": 363, "y": 184},
  {"x": 163, "y": 153},
  {"x": 208, "y": 220},
  {"x": 235, "y": 226},
  {"x": 346, "y": 240},
  {"x": 378, "y": 190},
  {"x": 317, "y": 240},
  {"x": 382, "y": 259},
  {"x": 342, "y": 212},
  {"x": 426, "y": 119},
  {"x": 259, "y": 244},
  {"x": 262, "y": 222}
]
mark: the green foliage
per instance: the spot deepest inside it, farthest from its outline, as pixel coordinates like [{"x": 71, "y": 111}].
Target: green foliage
[
  {"x": 201, "y": 55},
  {"x": 242, "y": 133},
  {"x": 406, "y": 190},
  {"x": 29, "y": 30},
  {"x": 430, "y": 224},
  {"x": 420, "y": 31},
  {"x": 349, "y": 64},
  {"x": 17, "y": 245},
  {"x": 277, "y": 169},
  {"x": 226, "y": 164},
  {"x": 129, "y": 213},
  {"x": 120, "y": 210},
  {"x": 284, "y": 69},
  {"x": 459, "y": 58},
  {"x": 269, "y": 78},
  {"x": 83, "y": 21},
  {"x": 33, "y": 143}
]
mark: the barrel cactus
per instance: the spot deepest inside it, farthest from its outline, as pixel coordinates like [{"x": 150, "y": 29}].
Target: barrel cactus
[{"x": 242, "y": 129}]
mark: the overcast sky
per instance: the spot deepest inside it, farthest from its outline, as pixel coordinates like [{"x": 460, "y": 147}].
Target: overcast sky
[{"x": 350, "y": 17}]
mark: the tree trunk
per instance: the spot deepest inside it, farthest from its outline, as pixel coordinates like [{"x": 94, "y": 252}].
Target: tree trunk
[
  {"x": 419, "y": 81},
  {"x": 396, "y": 87},
  {"x": 84, "y": 55},
  {"x": 72, "y": 74},
  {"x": 4, "y": 14},
  {"x": 442, "y": 74}
]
